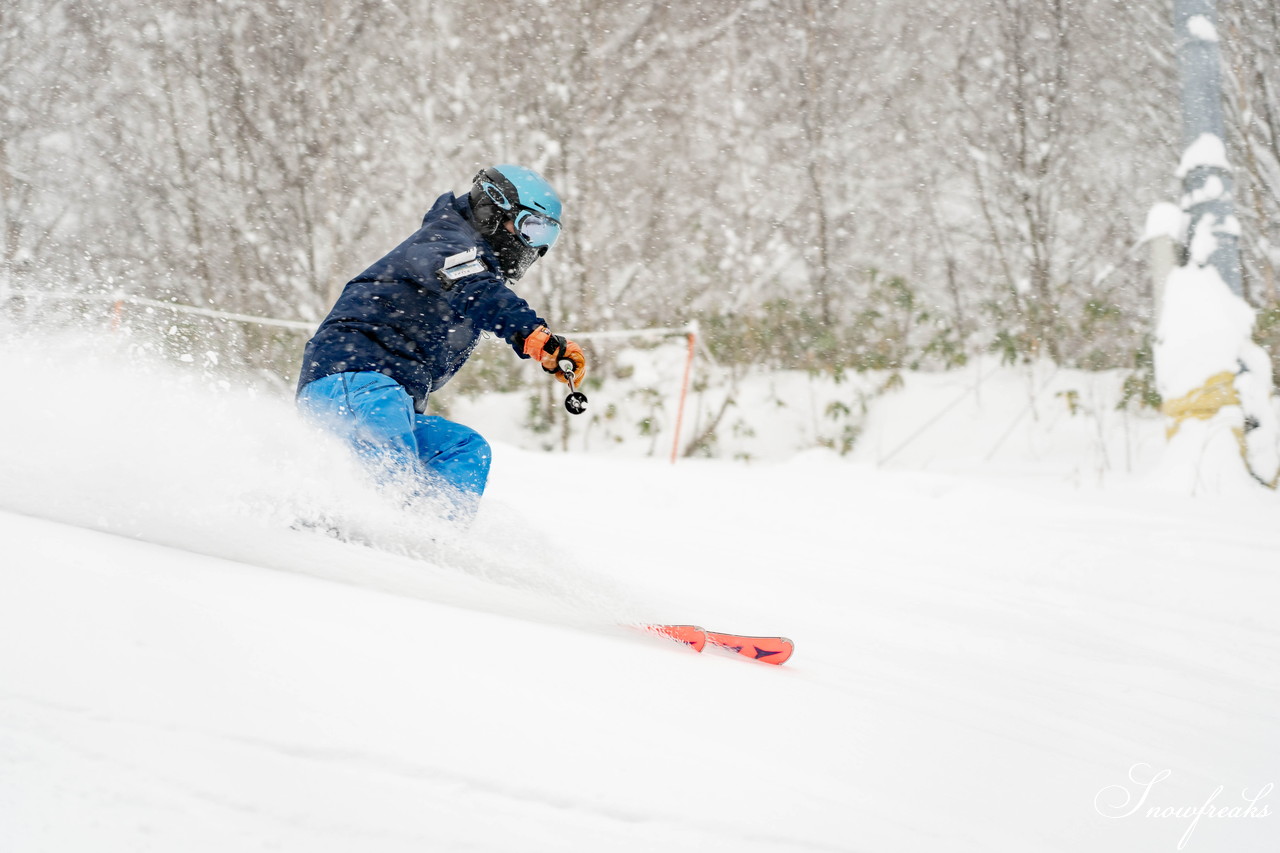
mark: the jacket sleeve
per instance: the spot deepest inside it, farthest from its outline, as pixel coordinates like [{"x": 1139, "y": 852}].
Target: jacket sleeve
[{"x": 494, "y": 307}]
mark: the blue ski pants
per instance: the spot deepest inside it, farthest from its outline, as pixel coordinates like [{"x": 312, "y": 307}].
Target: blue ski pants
[{"x": 376, "y": 416}]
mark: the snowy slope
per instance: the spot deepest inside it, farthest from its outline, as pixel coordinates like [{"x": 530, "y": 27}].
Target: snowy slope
[{"x": 982, "y": 661}]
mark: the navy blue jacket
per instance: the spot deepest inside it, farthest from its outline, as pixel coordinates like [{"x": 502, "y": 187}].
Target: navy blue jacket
[{"x": 401, "y": 319}]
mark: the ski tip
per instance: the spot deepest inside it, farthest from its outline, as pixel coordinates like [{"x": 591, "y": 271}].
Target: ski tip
[
  {"x": 770, "y": 650},
  {"x": 689, "y": 635}
]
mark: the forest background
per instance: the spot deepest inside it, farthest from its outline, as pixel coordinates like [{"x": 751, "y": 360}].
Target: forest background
[{"x": 848, "y": 186}]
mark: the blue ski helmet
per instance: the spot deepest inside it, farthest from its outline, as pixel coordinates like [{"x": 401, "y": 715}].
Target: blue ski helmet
[{"x": 502, "y": 193}]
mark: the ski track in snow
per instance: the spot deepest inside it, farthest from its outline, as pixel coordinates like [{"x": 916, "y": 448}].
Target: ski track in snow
[{"x": 983, "y": 654}]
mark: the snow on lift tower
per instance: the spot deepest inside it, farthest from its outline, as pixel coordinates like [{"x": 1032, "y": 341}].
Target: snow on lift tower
[{"x": 1214, "y": 381}]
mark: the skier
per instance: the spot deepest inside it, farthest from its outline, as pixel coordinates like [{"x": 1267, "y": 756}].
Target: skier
[{"x": 402, "y": 328}]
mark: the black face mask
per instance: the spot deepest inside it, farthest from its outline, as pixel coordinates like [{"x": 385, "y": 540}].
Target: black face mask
[{"x": 514, "y": 256}]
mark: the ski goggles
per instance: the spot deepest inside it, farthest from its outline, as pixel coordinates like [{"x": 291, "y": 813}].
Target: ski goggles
[{"x": 535, "y": 230}]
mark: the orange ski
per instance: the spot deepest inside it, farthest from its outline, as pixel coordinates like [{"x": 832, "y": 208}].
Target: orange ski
[{"x": 773, "y": 650}]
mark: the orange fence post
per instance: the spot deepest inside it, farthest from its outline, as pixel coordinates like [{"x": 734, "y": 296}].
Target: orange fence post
[
  {"x": 116, "y": 312},
  {"x": 684, "y": 392}
]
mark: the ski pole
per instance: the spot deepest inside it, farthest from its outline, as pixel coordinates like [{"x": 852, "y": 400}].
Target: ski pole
[{"x": 576, "y": 401}]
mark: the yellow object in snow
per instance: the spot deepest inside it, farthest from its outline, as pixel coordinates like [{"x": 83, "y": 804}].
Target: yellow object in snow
[{"x": 1202, "y": 403}]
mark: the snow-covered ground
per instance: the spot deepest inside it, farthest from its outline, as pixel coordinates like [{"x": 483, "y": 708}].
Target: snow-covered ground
[{"x": 1011, "y": 634}]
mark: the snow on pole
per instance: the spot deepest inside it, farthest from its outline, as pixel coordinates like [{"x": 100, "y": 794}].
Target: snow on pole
[
  {"x": 1213, "y": 232},
  {"x": 1215, "y": 382}
]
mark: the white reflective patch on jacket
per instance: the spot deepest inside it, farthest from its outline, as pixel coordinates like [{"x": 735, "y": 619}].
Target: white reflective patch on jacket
[{"x": 460, "y": 266}]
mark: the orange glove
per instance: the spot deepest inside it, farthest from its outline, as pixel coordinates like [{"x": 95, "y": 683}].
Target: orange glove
[{"x": 549, "y": 349}]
